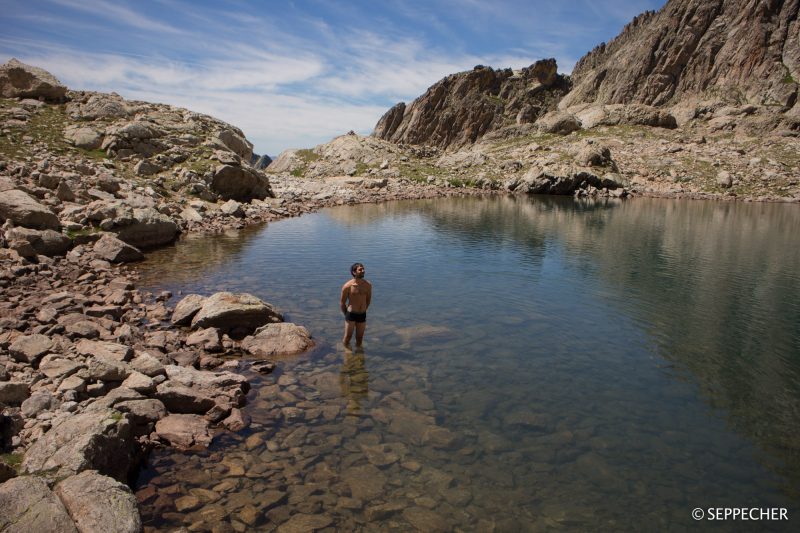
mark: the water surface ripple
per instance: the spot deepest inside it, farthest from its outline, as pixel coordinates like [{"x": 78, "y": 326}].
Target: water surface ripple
[{"x": 530, "y": 363}]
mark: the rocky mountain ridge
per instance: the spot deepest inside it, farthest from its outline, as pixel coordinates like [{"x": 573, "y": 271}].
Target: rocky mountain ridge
[
  {"x": 462, "y": 107},
  {"x": 745, "y": 51},
  {"x": 688, "y": 58}
]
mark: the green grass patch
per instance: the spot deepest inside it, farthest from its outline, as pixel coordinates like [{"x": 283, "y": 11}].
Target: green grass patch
[
  {"x": 13, "y": 460},
  {"x": 307, "y": 155}
]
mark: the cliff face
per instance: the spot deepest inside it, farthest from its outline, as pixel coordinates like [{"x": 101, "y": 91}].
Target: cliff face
[
  {"x": 463, "y": 107},
  {"x": 739, "y": 49}
]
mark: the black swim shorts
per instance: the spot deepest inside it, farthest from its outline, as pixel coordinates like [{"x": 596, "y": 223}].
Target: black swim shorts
[{"x": 355, "y": 317}]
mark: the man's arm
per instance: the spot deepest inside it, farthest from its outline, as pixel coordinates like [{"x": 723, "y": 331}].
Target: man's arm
[
  {"x": 345, "y": 294},
  {"x": 369, "y": 293}
]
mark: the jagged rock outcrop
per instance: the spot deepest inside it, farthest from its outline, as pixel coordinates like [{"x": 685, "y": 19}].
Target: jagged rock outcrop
[
  {"x": 729, "y": 49},
  {"x": 18, "y": 80},
  {"x": 461, "y": 108}
]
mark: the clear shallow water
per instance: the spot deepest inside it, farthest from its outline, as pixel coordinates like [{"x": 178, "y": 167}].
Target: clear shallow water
[{"x": 529, "y": 364}]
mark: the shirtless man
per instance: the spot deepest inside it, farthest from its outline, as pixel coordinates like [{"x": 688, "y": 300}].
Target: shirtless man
[{"x": 356, "y": 296}]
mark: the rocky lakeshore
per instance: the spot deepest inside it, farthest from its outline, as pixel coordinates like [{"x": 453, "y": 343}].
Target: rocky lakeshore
[{"x": 95, "y": 373}]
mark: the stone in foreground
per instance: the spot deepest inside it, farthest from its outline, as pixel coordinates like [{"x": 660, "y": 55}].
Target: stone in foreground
[
  {"x": 25, "y": 211},
  {"x": 28, "y": 506},
  {"x": 87, "y": 441},
  {"x": 98, "y": 503},
  {"x": 112, "y": 249},
  {"x": 279, "y": 339}
]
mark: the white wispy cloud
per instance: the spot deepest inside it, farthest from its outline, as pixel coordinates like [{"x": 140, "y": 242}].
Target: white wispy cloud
[{"x": 288, "y": 79}]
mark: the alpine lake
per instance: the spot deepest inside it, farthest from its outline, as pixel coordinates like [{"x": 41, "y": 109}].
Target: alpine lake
[{"x": 530, "y": 364}]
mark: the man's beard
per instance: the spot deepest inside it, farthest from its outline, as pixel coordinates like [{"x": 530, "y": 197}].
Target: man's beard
[{"x": 359, "y": 276}]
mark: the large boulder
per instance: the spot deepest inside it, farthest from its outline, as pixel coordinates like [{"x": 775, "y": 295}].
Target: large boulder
[
  {"x": 148, "y": 228},
  {"x": 27, "y": 505},
  {"x": 559, "y": 123},
  {"x": 45, "y": 242},
  {"x": 25, "y": 211},
  {"x": 18, "y": 80},
  {"x": 236, "y": 143},
  {"x": 226, "y": 311},
  {"x": 83, "y": 137},
  {"x": 87, "y": 441},
  {"x": 112, "y": 249},
  {"x": 279, "y": 339},
  {"x": 240, "y": 183},
  {"x": 187, "y": 308},
  {"x": 98, "y": 503}
]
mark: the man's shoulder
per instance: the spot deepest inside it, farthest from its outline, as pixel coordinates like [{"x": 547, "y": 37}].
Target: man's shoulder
[{"x": 348, "y": 283}]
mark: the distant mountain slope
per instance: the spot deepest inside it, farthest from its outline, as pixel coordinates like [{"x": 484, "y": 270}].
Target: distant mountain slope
[
  {"x": 461, "y": 108},
  {"x": 741, "y": 49}
]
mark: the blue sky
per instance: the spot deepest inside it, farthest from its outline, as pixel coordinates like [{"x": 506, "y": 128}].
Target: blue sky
[{"x": 295, "y": 74}]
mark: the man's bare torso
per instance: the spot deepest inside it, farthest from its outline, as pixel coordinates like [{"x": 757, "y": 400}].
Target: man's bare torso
[{"x": 359, "y": 291}]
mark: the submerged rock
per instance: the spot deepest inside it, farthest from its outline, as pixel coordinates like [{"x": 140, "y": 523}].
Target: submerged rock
[{"x": 279, "y": 339}]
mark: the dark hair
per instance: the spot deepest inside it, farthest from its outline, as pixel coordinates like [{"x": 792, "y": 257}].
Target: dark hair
[{"x": 354, "y": 267}]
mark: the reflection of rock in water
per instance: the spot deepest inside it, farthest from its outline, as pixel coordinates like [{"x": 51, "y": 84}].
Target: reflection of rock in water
[{"x": 354, "y": 380}]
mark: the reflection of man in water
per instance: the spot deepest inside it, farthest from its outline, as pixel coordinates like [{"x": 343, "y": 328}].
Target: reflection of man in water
[
  {"x": 354, "y": 380},
  {"x": 356, "y": 296}
]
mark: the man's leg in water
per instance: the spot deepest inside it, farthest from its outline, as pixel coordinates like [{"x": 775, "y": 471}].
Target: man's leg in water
[
  {"x": 348, "y": 331},
  {"x": 360, "y": 327}
]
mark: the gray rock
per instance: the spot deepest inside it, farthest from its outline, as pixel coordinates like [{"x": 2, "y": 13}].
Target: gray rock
[
  {"x": 87, "y": 441},
  {"x": 184, "y": 431},
  {"x": 140, "y": 383},
  {"x": 724, "y": 179},
  {"x": 44, "y": 242},
  {"x": 149, "y": 228},
  {"x": 207, "y": 338},
  {"x": 240, "y": 183},
  {"x": 99, "y": 503},
  {"x": 558, "y": 123},
  {"x": 145, "y": 167},
  {"x": 38, "y": 402},
  {"x": 143, "y": 411},
  {"x": 30, "y": 348},
  {"x": 279, "y": 339},
  {"x": 108, "y": 350},
  {"x": 13, "y": 392},
  {"x": 187, "y": 308},
  {"x": 226, "y": 310},
  {"x": 236, "y": 143},
  {"x": 83, "y": 137},
  {"x": 28, "y": 506},
  {"x": 64, "y": 192},
  {"x": 115, "y": 250},
  {"x": 25, "y": 211},
  {"x": 18, "y": 80},
  {"x": 147, "y": 365},
  {"x": 191, "y": 215},
  {"x": 108, "y": 369},
  {"x": 232, "y": 208},
  {"x": 182, "y": 399}
]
